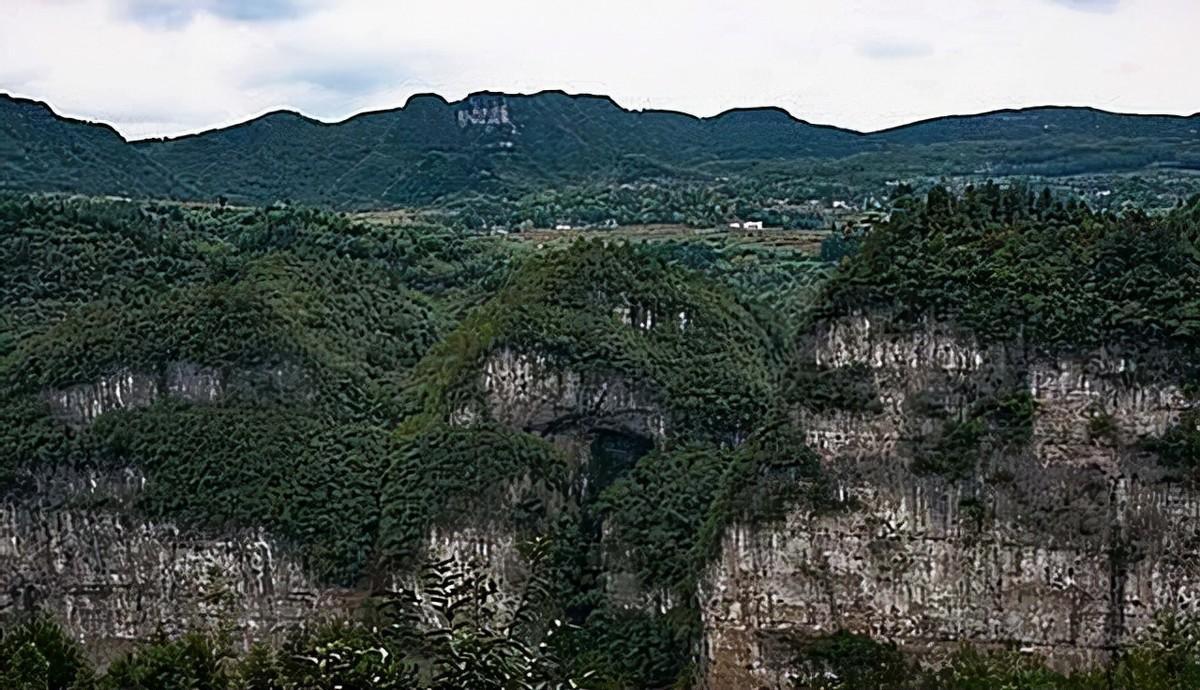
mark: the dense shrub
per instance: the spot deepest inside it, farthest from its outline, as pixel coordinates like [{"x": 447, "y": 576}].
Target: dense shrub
[
  {"x": 37, "y": 655},
  {"x": 612, "y": 309},
  {"x": 451, "y": 476},
  {"x": 1006, "y": 264}
]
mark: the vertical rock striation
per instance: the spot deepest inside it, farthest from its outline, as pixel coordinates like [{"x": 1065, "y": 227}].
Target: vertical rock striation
[
  {"x": 1064, "y": 543},
  {"x": 76, "y": 548}
]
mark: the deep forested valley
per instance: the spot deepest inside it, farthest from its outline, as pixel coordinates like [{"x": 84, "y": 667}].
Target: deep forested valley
[
  {"x": 519, "y": 464},
  {"x": 539, "y": 392}
]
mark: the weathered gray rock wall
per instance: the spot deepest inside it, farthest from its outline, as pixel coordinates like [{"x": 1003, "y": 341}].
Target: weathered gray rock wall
[
  {"x": 73, "y": 543},
  {"x": 129, "y": 388},
  {"x": 1066, "y": 546},
  {"x": 75, "y": 547},
  {"x": 528, "y": 392}
]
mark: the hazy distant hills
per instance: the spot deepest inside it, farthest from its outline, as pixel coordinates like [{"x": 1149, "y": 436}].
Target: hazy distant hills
[
  {"x": 1045, "y": 124},
  {"x": 502, "y": 144}
]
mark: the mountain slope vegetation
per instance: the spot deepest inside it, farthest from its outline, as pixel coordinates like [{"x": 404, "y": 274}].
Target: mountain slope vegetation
[
  {"x": 353, "y": 457},
  {"x": 499, "y": 146},
  {"x": 44, "y": 152}
]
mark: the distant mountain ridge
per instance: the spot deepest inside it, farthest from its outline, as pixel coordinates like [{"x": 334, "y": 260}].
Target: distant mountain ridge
[
  {"x": 496, "y": 143},
  {"x": 43, "y": 151}
]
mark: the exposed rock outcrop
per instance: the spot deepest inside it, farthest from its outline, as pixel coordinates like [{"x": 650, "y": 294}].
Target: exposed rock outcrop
[
  {"x": 527, "y": 392},
  {"x": 76, "y": 548},
  {"x": 1065, "y": 544},
  {"x": 80, "y": 404},
  {"x": 483, "y": 110},
  {"x": 1065, "y": 539}
]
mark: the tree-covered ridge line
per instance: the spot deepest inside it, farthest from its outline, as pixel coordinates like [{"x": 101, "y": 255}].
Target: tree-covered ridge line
[
  {"x": 391, "y": 324},
  {"x": 494, "y": 108},
  {"x": 1005, "y": 263},
  {"x": 501, "y": 148},
  {"x": 623, "y": 311}
]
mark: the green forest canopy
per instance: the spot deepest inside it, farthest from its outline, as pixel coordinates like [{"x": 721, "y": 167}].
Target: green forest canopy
[{"x": 389, "y": 324}]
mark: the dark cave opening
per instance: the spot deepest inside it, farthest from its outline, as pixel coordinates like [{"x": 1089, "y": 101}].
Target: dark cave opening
[{"x": 613, "y": 453}]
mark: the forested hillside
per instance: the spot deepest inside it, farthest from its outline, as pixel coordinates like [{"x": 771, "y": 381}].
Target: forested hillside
[
  {"x": 1007, "y": 263},
  {"x": 601, "y": 413},
  {"x": 43, "y": 152},
  {"x": 494, "y": 149}
]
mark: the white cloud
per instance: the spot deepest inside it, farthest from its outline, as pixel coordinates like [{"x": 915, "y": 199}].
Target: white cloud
[
  {"x": 892, "y": 49},
  {"x": 151, "y": 67},
  {"x": 1090, "y": 5}
]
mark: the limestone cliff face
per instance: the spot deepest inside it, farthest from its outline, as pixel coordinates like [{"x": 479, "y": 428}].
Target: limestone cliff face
[
  {"x": 80, "y": 405},
  {"x": 76, "y": 548},
  {"x": 1065, "y": 541},
  {"x": 526, "y": 391},
  {"x": 483, "y": 110},
  {"x": 574, "y": 410},
  {"x": 1065, "y": 544},
  {"x": 73, "y": 543},
  {"x": 603, "y": 423}
]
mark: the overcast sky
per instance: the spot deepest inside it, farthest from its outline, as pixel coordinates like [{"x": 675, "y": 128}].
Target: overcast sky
[{"x": 158, "y": 67}]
